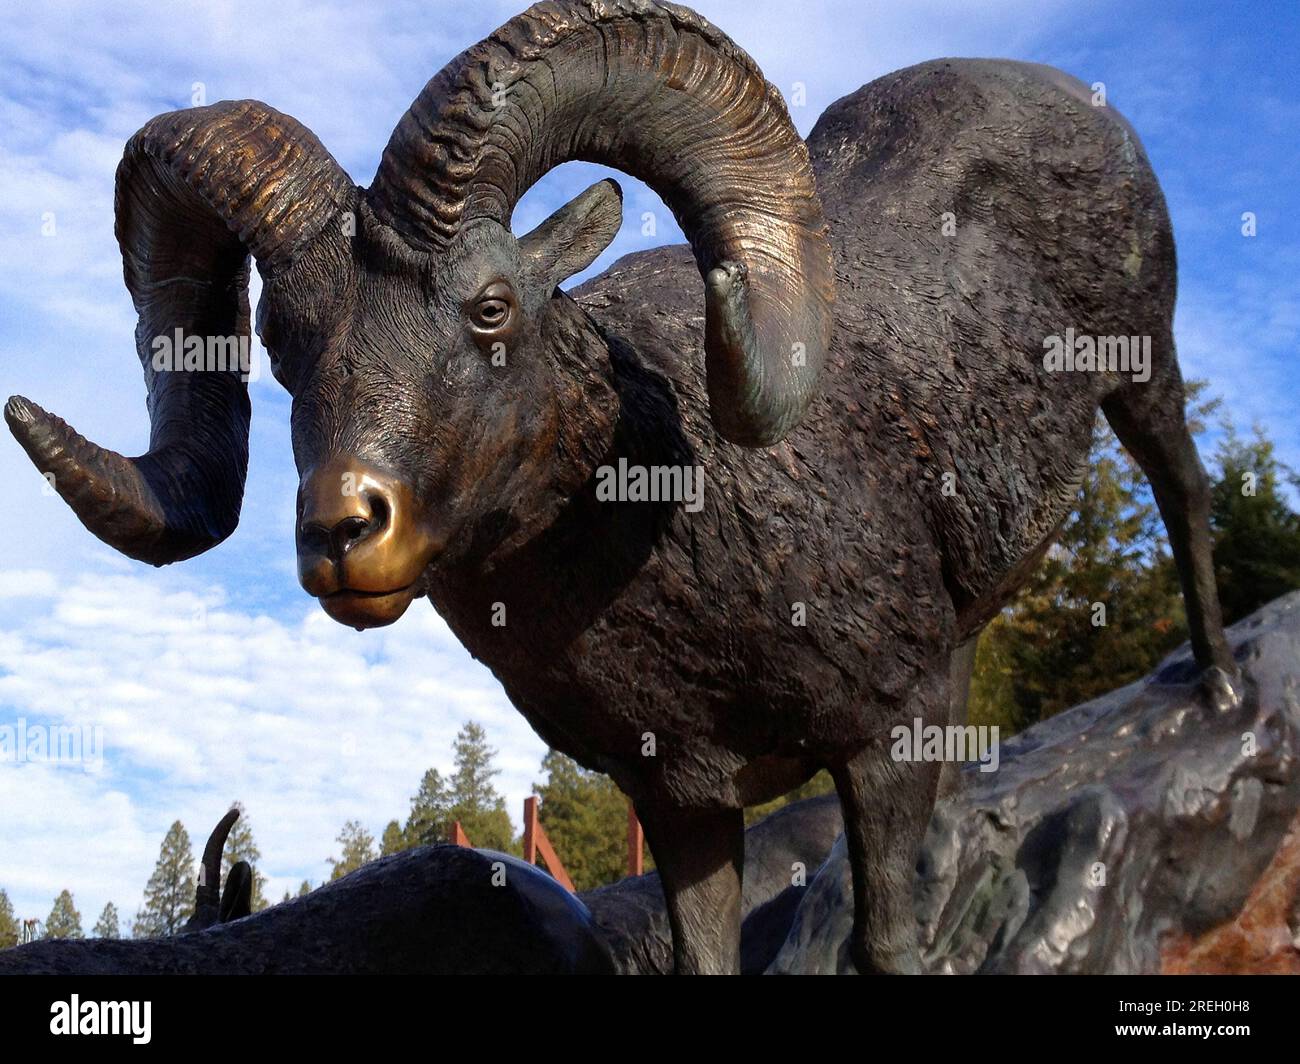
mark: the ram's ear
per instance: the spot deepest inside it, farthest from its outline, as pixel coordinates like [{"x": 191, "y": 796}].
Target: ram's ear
[{"x": 571, "y": 238}]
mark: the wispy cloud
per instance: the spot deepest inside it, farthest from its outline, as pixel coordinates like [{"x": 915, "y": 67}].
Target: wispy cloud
[{"x": 200, "y": 702}]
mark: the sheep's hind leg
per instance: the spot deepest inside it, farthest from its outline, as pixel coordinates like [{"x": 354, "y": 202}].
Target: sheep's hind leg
[
  {"x": 1149, "y": 419},
  {"x": 887, "y": 806}
]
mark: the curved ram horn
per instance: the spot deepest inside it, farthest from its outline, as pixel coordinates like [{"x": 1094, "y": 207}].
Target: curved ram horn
[
  {"x": 197, "y": 190},
  {"x": 654, "y": 90}
]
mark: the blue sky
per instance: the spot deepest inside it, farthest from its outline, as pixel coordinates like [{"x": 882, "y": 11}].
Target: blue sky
[{"x": 219, "y": 678}]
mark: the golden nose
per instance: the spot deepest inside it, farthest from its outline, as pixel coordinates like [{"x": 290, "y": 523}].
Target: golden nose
[{"x": 358, "y": 530}]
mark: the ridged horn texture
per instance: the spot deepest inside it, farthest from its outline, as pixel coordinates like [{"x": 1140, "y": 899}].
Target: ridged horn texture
[
  {"x": 197, "y": 190},
  {"x": 656, "y": 91}
]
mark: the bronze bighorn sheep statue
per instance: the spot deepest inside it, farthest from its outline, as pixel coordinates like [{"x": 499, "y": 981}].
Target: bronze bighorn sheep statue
[{"x": 453, "y": 409}]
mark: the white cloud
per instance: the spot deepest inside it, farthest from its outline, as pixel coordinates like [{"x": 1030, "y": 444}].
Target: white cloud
[
  {"x": 200, "y": 703},
  {"x": 25, "y": 583}
]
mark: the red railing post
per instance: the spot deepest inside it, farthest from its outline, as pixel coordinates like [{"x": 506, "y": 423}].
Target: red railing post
[
  {"x": 530, "y": 829},
  {"x": 535, "y": 842}
]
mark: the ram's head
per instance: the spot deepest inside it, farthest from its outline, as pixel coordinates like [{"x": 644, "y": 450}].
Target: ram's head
[{"x": 408, "y": 322}]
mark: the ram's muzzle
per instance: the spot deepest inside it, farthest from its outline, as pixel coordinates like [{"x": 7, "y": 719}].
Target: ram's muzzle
[{"x": 363, "y": 542}]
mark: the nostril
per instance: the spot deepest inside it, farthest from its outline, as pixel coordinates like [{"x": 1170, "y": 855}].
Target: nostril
[
  {"x": 350, "y": 531},
  {"x": 342, "y": 506},
  {"x": 315, "y": 537}
]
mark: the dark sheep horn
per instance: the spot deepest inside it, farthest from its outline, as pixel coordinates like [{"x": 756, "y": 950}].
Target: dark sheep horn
[
  {"x": 197, "y": 190},
  {"x": 207, "y": 894},
  {"x": 654, "y": 90}
]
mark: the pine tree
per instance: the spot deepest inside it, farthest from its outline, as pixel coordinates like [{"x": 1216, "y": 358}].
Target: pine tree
[
  {"x": 474, "y": 800},
  {"x": 393, "y": 839},
  {"x": 8, "y": 922},
  {"x": 64, "y": 921},
  {"x": 304, "y": 889},
  {"x": 107, "y": 926},
  {"x": 241, "y": 847},
  {"x": 358, "y": 849},
  {"x": 585, "y": 817},
  {"x": 1256, "y": 534},
  {"x": 169, "y": 895},
  {"x": 430, "y": 818}
]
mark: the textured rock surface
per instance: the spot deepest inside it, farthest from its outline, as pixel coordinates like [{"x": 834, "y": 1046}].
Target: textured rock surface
[
  {"x": 1262, "y": 939},
  {"x": 1140, "y": 822}
]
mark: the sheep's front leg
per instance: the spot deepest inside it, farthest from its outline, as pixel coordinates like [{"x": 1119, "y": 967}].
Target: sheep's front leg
[
  {"x": 887, "y": 806},
  {"x": 700, "y": 857}
]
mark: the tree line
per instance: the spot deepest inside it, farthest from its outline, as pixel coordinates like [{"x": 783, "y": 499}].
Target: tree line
[{"x": 1100, "y": 611}]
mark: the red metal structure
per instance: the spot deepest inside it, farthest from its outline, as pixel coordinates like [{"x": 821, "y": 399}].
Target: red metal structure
[{"x": 536, "y": 842}]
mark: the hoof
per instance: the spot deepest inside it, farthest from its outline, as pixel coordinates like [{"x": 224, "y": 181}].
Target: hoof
[{"x": 1221, "y": 692}]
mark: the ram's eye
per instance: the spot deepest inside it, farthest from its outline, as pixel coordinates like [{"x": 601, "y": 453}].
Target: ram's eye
[
  {"x": 491, "y": 313},
  {"x": 494, "y": 309}
]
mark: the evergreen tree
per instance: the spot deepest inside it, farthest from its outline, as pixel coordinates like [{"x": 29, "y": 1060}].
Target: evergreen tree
[
  {"x": 393, "y": 839},
  {"x": 107, "y": 926},
  {"x": 8, "y": 922},
  {"x": 585, "y": 816},
  {"x": 1256, "y": 534},
  {"x": 304, "y": 889},
  {"x": 358, "y": 849},
  {"x": 241, "y": 847},
  {"x": 64, "y": 921},
  {"x": 474, "y": 800},
  {"x": 430, "y": 818},
  {"x": 169, "y": 895}
]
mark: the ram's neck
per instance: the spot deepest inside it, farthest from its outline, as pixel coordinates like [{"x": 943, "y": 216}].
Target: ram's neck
[{"x": 587, "y": 399}]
